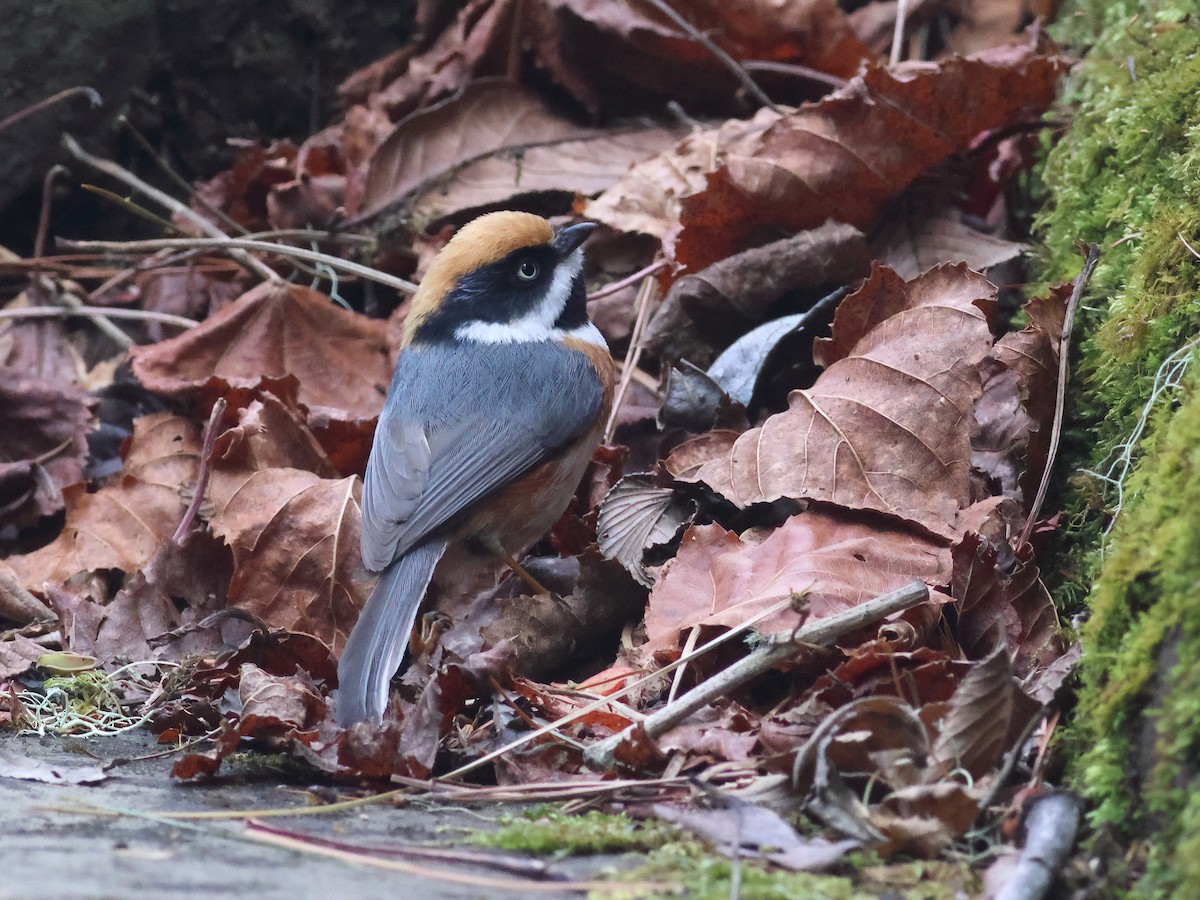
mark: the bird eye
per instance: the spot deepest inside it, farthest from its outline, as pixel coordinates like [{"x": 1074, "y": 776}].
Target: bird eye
[{"x": 527, "y": 270}]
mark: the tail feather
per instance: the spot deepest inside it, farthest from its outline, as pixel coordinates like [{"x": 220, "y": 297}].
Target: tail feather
[{"x": 380, "y": 636}]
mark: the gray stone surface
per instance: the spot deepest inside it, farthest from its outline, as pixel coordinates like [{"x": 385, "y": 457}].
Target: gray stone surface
[{"x": 49, "y": 852}]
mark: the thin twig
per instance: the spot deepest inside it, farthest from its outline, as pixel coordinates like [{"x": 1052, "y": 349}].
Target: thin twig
[
  {"x": 39, "y": 242},
  {"x": 898, "y": 33},
  {"x": 624, "y": 691},
  {"x": 625, "y": 282},
  {"x": 633, "y": 355},
  {"x": 645, "y": 379},
  {"x": 489, "y": 883},
  {"x": 91, "y": 312},
  {"x": 210, "y": 438},
  {"x": 91, "y": 93},
  {"x": 1009, "y": 762},
  {"x": 180, "y": 181},
  {"x": 521, "y": 866},
  {"x": 602, "y": 755},
  {"x": 460, "y": 794},
  {"x": 688, "y": 646},
  {"x": 155, "y": 261},
  {"x": 1050, "y": 826},
  {"x": 764, "y": 65},
  {"x": 724, "y": 58},
  {"x": 168, "y": 202},
  {"x": 100, "y": 319},
  {"x": 133, "y": 208},
  {"x": 1060, "y": 400},
  {"x": 234, "y": 245}
]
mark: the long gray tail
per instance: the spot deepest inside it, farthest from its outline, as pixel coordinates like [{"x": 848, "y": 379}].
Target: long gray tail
[{"x": 380, "y": 636}]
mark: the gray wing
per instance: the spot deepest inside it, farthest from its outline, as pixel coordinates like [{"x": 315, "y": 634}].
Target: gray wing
[{"x": 450, "y": 435}]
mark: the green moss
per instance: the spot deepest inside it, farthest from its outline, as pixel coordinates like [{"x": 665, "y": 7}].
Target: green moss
[
  {"x": 673, "y": 858},
  {"x": 1144, "y": 639},
  {"x": 547, "y": 830},
  {"x": 1127, "y": 177},
  {"x": 704, "y": 876}
]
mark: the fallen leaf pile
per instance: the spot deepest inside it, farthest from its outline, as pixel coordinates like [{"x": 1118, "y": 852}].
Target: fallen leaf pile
[{"x": 824, "y": 402}]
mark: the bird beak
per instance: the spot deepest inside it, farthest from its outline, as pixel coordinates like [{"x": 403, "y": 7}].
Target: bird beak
[{"x": 568, "y": 239}]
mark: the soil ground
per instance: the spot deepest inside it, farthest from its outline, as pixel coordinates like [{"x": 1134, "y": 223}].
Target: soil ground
[{"x": 49, "y": 852}]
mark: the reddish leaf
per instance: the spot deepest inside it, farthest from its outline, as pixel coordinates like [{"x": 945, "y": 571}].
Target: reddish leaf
[
  {"x": 179, "y": 586},
  {"x": 295, "y": 540},
  {"x": 718, "y": 579},
  {"x": 973, "y": 733},
  {"x": 997, "y": 609},
  {"x": 1033, "y": 354},
  {"x": 271, "y": 434},
  {"x": 18, "y": 654},
  {"x": 914, "y": 241},
  {"x": 44, "y": 446},
  {"x": 491, "y": 143},
  {"x": 888, "y": 425},
  {"x": 878, "y": 134},
  {"x": 119, "y": 527},
  {"x": 748, "y": 183},
  {"x": 340, "y": 358}
]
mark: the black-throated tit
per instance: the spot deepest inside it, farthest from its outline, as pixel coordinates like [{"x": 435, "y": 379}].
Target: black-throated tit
[{"x": 499, "y": 398}]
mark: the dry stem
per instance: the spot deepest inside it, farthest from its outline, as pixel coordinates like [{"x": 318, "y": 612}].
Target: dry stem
[
  {"x": 602, "y": 756},
  {"x": 168, "y": 202},
  {"x": 237, "y": 245}
]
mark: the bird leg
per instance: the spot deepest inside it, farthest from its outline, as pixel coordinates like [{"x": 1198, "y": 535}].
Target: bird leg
[
  {"x": 428, "y": 631},
  {"x": 521, "y": 572}
]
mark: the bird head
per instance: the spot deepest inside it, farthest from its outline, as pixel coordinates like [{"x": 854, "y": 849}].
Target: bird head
[{"x": 504, "y": 277}]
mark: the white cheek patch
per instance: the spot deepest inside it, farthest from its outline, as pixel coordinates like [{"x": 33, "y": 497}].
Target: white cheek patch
[{"x": 538, "y": 323}]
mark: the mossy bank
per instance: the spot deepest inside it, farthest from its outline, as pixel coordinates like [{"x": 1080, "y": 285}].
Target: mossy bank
[{"x": 1126, "y": 176}]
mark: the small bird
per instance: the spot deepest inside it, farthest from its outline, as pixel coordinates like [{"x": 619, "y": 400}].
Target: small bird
[{"x": 498, "y": 401}]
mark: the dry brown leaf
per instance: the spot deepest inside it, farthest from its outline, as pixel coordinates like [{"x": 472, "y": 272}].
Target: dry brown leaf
[
  {"x": 627, "y": 57},
  {"x": 985, "y": 23},
  {"x": 538, "y": 634},
  {"x": 736, "y": 293},
  {"x": 647, "y": 198},
  {"x": 551, "y": 175},
  {"x": 878, "y": 134},
  {"x": 295, "y": 538},
  {"x": 724, "y": 734},
  {"x": 1012, "y": 610},
  {"x": 748, "y": 183},
  {"x": 29, "y": 768},
  {"x": 877, "y": 669},
  {"x": 121, "y": 526},
  {"x": 476, "y": 45},
  {"x": 340, "y": 358},
  {"x": 738, "y": 829},
  {"x": 39, "y": 349},
  {"x": 718, "y": 579},
  {"x": 431, "y": 144},
  {"x": 44, "y": 448},
  {"x": 888, "y": 425},
  {"x": 271, "y": 434},
  {"x": 18, "y": 654},
  {"x": 923, "y": 820},
  {"x": 973, "y": 734},
  {"x": 914, "y": 241},
  {"x": 277, "y": 703},
  {"x": 163, "y": 450},
  {"x": 1033, "y": 354},
  {"x": 180, "y": 585},
  {"x": 241, "y": 190},
  {"x": 1000, "y": 441}
]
